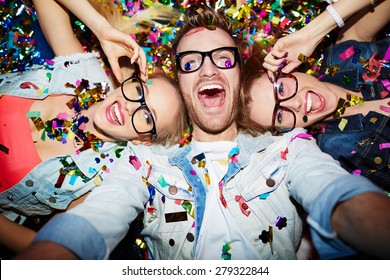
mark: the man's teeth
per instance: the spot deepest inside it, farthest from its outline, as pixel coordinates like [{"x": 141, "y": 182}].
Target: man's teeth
[
  {"x": 309, "y": 102},
  {"x": 208, "y": 87},
  {"x": 115, "y": 114}
]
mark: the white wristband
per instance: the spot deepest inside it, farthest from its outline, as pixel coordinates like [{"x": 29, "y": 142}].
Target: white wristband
[{"x": 335, "y": 15}]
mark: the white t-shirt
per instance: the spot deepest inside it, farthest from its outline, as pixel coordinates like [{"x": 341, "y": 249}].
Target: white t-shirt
[{"x": 219, "y": 234}]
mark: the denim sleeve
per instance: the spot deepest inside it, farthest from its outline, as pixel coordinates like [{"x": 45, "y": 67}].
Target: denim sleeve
[
  {"x": 104, "y": 217},
  {"x": 319, "y": 183},
  {"x": 88, "y": 244}
]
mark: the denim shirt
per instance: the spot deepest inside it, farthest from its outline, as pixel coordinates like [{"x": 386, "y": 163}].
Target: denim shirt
[
  {"x": 165, "y": 183},
  {"x": 357, "y": 147},
  {"x": 39, "y": 81},
  {"x": 45, "y": 189}
]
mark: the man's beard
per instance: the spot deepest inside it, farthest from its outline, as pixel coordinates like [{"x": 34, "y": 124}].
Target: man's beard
[{"x": 208, "y": 124}]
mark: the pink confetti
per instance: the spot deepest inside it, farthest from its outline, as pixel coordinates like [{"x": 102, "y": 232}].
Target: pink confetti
[
  {"x": 384, "y": 108},
  {"x": 347, "y": 54},
  {"x": 135, "y": 162},
  {"x": 386, "y": 84},
  {"x": 384, "y": 146},
  {"x": 357, "y": 172},
  {"x": 235, "y": 159},
  {"x": 62, "y": 116},
  {"x": 192, "y": 172},
  {"x": 302, "y": 136},
  {"x": 82, "y": 126}
]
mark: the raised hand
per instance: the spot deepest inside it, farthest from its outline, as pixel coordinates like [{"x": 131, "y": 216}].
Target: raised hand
[
  {"x": 284, "y": 55},
  {"x": 116, "y": 44}
]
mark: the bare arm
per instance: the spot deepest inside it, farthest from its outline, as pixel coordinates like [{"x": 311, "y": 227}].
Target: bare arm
[
  {"x": 305, "y": 40},
  {"x": 14, "y": 236},
  {"x": 365, "y": 25},
  {"x": 114, "y": 42},
  {"x": 364, "y": 223},
  {"x": 55, "y": 24},
  {"x": 50, "y": 251}
]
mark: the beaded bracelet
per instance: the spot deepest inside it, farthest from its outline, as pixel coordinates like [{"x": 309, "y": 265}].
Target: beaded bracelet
[{"x": 335, "y": 15}]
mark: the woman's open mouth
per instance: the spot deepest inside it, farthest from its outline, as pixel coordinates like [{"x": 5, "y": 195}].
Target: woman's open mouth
[{"x": 114, "y": 114}]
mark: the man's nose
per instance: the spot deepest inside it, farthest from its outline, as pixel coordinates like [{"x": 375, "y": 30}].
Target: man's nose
[{"x": 208, "y": 68}]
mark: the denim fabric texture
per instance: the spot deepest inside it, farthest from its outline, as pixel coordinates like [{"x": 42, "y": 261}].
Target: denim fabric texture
[
  {"x": 172, "y": 219},
  {"x": 357, "y": 146}
]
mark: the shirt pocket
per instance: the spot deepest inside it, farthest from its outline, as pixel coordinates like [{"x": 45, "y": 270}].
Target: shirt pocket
[{"x": 261, "y": 179}]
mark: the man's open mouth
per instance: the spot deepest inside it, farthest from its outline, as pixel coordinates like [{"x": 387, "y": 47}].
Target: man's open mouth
[{"x": 212, "y": 95}]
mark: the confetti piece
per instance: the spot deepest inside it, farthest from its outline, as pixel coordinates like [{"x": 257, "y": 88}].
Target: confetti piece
[
  {"x": 302, "y": 136},
  {"x": 226, "y": 251},
  {"x": 162, "y": 182},
  {"x": 384, "y": 108},
  {"x": 4, "y": 149},
  {"x": 28, "y": 85},
  {"x": 357, "y": 172},
  {"x": 264, "y": 195},
  {"x": 281, "y": 222},
  {"x": 283, "y": 154},
  {"x": 342, "y": 124},
  {"x": 347, "y": 53},
  {"x": 135, "y": 162},
  {"x": 384, "y": 146},
  {"x": 33, "y": 114},
  {"x": 118, "y": 152},
  {"x": 243, "y": 206}
]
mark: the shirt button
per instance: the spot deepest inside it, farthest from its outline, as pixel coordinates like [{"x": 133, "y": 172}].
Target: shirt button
[
  {"x": 52, "y": 200},
  {"x": 171, "y": 242},
  {"x": 270, "y": 182},
  {"x": 190, "y": 237},
  {"x": 29, "y": 183},
  {"x": 378, "y": 160},
  {"x": 173, "y": 190}
]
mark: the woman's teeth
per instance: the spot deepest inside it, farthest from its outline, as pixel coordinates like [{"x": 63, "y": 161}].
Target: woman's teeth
[
  {"x": 309, "y": 102},
  {"x": 115, "y": 114}
]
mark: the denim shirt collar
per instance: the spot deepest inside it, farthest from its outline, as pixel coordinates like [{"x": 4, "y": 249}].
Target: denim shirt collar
[{"x": 246, "y": 143}]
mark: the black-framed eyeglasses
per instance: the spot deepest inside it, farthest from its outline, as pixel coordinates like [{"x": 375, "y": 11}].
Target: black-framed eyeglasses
[
  {"x": 142, "y": 118},
  {"x": 222, "y": 58},
  {"x": 285, "y": 87}
]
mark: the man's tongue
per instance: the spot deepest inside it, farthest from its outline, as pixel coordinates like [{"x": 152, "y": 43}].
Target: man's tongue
[{"x": 211, "y": 97}]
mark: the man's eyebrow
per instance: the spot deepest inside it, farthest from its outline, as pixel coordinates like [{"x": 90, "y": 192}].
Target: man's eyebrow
[{"x": 147, "y": 92}]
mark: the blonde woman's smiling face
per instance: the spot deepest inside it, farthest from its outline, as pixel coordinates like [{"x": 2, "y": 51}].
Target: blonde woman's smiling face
[{"x": 118, "y": 118}]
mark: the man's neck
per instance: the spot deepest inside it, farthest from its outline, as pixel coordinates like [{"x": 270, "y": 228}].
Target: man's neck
[{"x": 229, "y": 134}]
